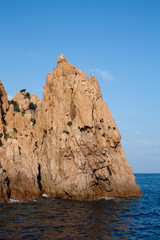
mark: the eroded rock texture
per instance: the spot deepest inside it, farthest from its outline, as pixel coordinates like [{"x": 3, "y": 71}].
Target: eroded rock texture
[{"x": 66, "y": 145}]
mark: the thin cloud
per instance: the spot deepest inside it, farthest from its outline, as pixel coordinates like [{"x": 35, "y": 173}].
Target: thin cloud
[
  {"x": 147, "y": 143},
  {"x": 138, "y": 133},
  {"x": 104, "y": 74}
]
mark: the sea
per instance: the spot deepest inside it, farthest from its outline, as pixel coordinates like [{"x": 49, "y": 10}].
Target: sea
[{"x": 107, "y": 218}]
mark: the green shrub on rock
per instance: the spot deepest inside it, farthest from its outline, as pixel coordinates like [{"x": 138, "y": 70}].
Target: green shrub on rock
[
  {"x": 16, "y": 106},
  {"x": 32, "y": 106},
  {"x": 15, "y": 130},
  {"x": 27, "y": 95},
  {"x": 66, "y": 132},
  {"x": 22, "y": 91},
  {"x": 33, "y": 120},
  {"x": 23, "y": 112},
  {"x": 69, "y": 123},
  {"x": 6, "y": 136}
]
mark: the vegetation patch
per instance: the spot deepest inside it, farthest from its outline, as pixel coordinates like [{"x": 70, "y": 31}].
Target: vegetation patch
[
  {"x": 66, "y": 132},
  {"x": 1, "y": 135},
  {"x": 33, "y": 120},
  {"x": 69, "y": 123},
  {"x": 22, "y": 91},
  {"x": 27, "y": 95},
  {"x": 32, "y": 106},
  {"x": 16, "y": 108},
  {"x": 6, "y": 136},
  {"x": 15, "y": 130},
  {"x": 15, "y": 105},
  {"x": 23, "y": 112}
]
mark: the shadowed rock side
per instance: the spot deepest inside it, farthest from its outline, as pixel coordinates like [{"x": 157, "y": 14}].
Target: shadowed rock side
[{"x": 72, "y": 149}]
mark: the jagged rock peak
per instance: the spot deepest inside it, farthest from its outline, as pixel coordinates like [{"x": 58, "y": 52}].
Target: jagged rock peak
[
  {"x": 71, "y": 150},
  {"x": 61, "y": 59}
]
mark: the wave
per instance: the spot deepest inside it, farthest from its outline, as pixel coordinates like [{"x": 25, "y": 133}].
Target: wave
[
  {"x": 15, "y": 201},
  {"x": 106, "y": 198}
]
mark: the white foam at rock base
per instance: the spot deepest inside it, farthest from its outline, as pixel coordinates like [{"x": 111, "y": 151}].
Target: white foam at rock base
[
  {"x": 14, "y": 201},
  {"x": 44, "y": 195},
  {"x": 106, "y": 198}
]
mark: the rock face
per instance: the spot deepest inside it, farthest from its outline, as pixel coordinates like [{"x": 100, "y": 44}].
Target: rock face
[{"x": 66, "y": 145}]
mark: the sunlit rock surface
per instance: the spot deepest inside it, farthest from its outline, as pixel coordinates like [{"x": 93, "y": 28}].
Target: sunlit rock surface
[{"x": 66, "y": 145}]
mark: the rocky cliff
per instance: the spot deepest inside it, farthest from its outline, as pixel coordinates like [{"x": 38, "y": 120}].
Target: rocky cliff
[{"x": 66, "y": 145}]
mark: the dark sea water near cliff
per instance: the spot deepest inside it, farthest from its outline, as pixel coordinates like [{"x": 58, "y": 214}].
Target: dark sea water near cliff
[{"x": 119, "y": 218}]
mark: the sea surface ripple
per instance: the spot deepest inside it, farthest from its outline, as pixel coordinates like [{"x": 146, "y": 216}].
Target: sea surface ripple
[{"x": 119, "y": 218}]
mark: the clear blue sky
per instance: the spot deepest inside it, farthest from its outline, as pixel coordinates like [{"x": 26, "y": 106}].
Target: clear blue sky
[{"x": 117, "y": 40}]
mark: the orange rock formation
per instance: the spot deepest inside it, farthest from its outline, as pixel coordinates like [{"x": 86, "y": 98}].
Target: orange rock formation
[{"x": 66, "y": 145}]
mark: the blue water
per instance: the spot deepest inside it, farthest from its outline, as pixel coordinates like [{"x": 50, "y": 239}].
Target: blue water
[{"x": 120, "y": 218}]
